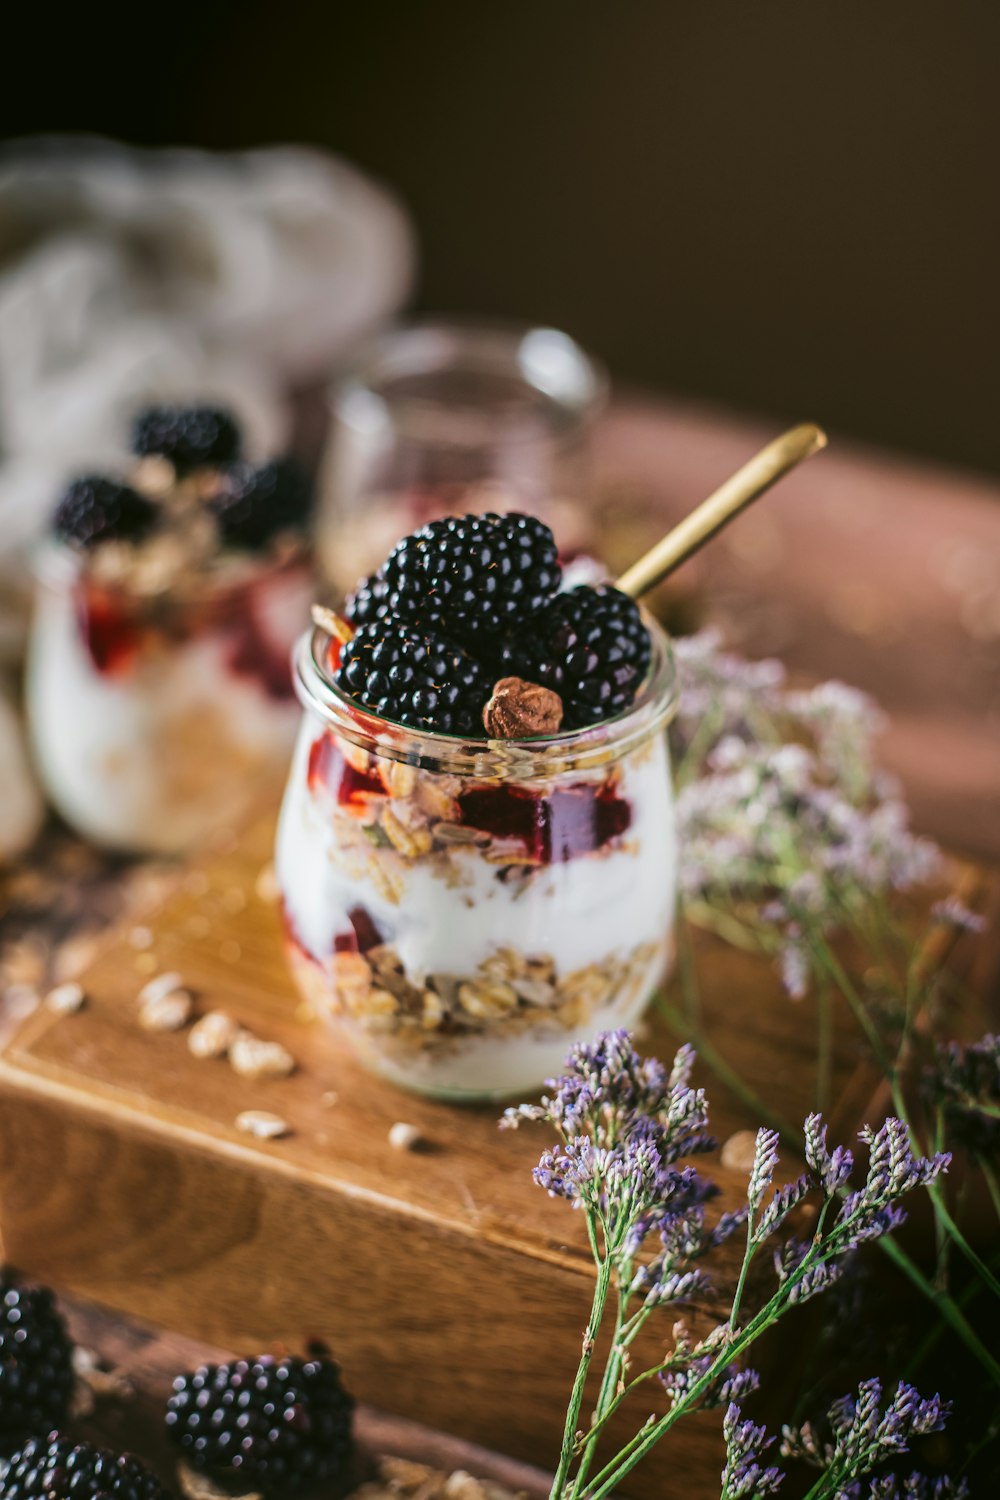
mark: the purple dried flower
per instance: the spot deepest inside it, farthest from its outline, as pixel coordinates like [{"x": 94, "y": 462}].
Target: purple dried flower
[
  {"x": 744, "y": 1474},
  {"x": 862, "y": 1436},
  {"x": 954, "y": 913},
  {"x": 765, "y": 1159}
]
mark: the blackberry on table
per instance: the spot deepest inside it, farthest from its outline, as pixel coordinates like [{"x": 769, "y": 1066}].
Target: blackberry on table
[
  {"x": 590, "y": 646},
  {"x": 253, "y": 505},
  {"x": 278, "y": 1425},
  {"x": 473, "y": 576},
  {"x": 369, "y": 601},
  {"x": 56, "y": 1468},
  {"x": 189, "y": 436},
  {"x": 96, "y": 509},
  {"x": 414, "y": 677},
  {"x": 36, "y": 1363}
]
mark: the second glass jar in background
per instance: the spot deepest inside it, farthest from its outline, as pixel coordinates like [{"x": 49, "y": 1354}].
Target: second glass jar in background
[
  {"x": 158, "y": 719},
  {"x": 448, "y": 418}
]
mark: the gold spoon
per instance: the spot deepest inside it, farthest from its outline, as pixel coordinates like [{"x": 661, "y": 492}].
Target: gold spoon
[{"x": 738, "y": 491}]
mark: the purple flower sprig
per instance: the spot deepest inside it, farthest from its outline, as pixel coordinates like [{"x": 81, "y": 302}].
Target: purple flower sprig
[
  {"x": 625, "y": 1125},
  {"x": 745, "y": 1477},
  {"x": 860, "y": 1435}
]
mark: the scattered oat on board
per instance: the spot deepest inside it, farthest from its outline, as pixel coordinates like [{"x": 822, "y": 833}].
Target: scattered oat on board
[
  {"x": 404, "y": 1137},
  {"x": 170, "y": 1012},
  {"x": 66, "y": 999},
  {"x": 738, "y": 1152},
  {"x": 163, "y": 984},
  {"x": 261, "y": 1123},
  {"x": 212, "y": 1035},
  {"x": 253, "y": 1058},
  {"x": 402, "y": 1479}
]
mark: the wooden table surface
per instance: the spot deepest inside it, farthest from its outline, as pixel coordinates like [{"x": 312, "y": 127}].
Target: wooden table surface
[{"x": 879, "y": 571}]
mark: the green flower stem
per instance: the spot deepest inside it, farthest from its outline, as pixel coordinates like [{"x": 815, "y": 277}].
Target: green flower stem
[
  {"x": 946, "y": 1305},
  {"x": 992, "y": 1182},
  {"x": 576, "y": 1397},
  {"x": 824, "y": 1046},
  {"x": 941, "y": 1212},
  {"x": 941, "y": 1299},
  {"x": 607, "y": 1394}
]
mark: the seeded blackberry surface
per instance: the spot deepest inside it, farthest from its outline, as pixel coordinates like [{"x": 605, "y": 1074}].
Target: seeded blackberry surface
[
  {"x": 278, "y": 1425},
  {"x": 369, "y": 601},
  {"x": 189, "y": 436},
  {"x": 36, "y": 1363},
  {"x": 590, "y": 646},
  {"x": 414, "y": 677},
  {"x": 473, "y": 577},
  {"x": 56, "y": 1468},
  {"x": 253, "y": 505},
  {"x": 95, "y": 509}
]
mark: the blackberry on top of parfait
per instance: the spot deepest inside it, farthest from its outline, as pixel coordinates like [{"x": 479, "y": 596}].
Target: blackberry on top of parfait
[
  {"x": 189, "y": 505},
  {"x": 466, "y": 623}
]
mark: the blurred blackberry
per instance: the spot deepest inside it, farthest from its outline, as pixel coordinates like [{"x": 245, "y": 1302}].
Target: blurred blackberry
[
  {"x": 36, "y": 1363},
  {"x": 473, "y": 576},
  {"x": 95, "y": 509},
  {"x": 369, "y": 601},
  {"x": 414, "y": 677},
  {"x": 56, "y": 1468},
  {"x": 590, "y": 646},
  {"x": 281, "y": 1426},
  {"x": 189, "y": 436},
  {"x": 253, "y": 505}
]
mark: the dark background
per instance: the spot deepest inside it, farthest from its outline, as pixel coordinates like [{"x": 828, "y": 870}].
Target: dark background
[{"x": 791, "y": 206}]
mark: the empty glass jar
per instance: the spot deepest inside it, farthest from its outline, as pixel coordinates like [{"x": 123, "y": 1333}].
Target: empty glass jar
[{"x": 449, "y": 418}]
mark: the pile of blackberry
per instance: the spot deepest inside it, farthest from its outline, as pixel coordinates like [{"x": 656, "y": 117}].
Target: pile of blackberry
[
  {"x": 36, "y": 1363},
  {"x": 281, "y": 1426},
  {"x": 251, "y": 504},
  {"x": 467, "y": 600},
  {"x": 56, "y": 1468}
]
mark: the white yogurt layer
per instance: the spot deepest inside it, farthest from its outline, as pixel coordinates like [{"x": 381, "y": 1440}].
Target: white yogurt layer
[
  {"x": 154, "y": 758},
  {"x": 586, "y": 910}
]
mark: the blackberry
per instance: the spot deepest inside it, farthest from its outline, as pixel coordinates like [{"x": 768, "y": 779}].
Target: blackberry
[
  {"x": 254, "y": 504},
  {"x": 189, "y": 436},
  {"x": 36, "y": 1363},
  {"x": 56, "y": 1468},
  {"x": 473, "y": 576},
  {"x": 95, "y": 509},
  {"x": 369, "y": 601},
  {"x": 414, "y": 677},
  {"x": 590, "y": 646},
  {"x": 281, "y": 1426}
]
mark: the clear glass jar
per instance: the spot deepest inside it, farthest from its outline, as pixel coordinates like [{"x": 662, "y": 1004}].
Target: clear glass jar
[
  {"x": 450, "y": 418},
  {"x": 461, "y": 912},
  {"x": 158, "y": 719}
]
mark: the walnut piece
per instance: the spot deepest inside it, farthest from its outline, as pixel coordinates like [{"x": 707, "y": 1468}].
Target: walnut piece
[{"x": 519, "y": 710}]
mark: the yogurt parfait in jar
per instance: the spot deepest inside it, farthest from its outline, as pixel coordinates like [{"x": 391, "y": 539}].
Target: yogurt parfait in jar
[
  {"x": 476, "y": 850},
  {"x": 159, "y": 691}
]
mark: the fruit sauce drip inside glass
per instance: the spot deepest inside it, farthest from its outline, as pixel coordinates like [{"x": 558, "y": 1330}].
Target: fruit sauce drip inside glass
[
  {"x": 114, "y": 630},
  {"x": 552, "y": 827}
]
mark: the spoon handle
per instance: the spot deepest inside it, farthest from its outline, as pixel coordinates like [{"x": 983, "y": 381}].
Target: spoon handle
[{"x": 738, "y": 491}]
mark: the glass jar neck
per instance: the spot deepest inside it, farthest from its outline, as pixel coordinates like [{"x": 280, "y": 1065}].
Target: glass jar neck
[{"x": 501, "y": 760}]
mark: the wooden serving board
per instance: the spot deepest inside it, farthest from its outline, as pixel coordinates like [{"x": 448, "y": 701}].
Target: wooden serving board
[{"x": 453, "y": 1292}]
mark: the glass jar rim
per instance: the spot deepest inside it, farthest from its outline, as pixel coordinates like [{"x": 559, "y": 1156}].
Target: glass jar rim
[
  {"x": 527, "y": 760},
  {"x": 548, "y": 360}
]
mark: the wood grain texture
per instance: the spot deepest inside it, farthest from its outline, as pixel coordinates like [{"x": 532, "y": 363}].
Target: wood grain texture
[{"x": 453, "y": 1292}]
